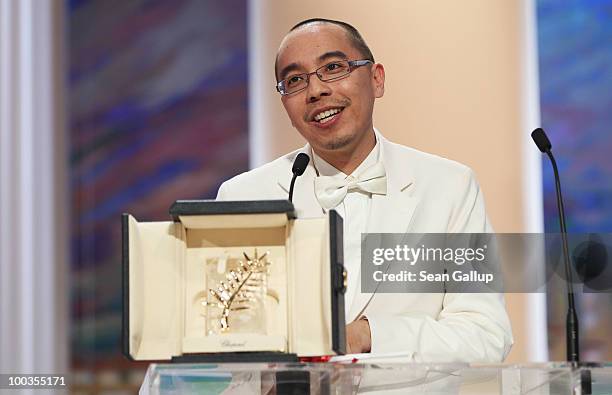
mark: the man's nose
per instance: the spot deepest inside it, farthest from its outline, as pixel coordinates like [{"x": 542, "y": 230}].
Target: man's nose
[{"x": 316, "y": 89}]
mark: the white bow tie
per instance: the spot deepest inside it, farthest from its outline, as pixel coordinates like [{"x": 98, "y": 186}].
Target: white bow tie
[{"x": 331, "y": 191}]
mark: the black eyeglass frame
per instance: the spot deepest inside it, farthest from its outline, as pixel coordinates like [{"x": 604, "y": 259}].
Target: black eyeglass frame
[{"x": 352, "y": 65}]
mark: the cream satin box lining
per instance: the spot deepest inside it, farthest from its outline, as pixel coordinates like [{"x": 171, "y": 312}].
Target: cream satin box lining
[{"x": 167, "y": 280}]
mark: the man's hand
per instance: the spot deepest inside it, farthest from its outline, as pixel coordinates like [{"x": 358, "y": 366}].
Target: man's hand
[{"x": 358, "y": 336}]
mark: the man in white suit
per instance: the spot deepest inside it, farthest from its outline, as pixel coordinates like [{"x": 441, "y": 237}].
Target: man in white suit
[{"x": 328, "y": 82}]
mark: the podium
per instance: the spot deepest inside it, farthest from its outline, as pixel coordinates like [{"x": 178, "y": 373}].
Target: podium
[{"x": 372, "y": 378}]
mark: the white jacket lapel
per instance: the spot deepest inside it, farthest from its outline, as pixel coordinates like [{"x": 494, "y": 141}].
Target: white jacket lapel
[{"x": 390, "y": 213}]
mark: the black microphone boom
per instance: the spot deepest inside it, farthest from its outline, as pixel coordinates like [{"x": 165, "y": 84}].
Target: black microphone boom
[
  {"x": 299, "y": 166},
  {"x": 571, "y": 323}
]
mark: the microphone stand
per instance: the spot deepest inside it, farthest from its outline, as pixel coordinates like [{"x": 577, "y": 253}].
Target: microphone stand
[
  {"x": 295, "y": 175},
  {"x": 571, "y": 320}
]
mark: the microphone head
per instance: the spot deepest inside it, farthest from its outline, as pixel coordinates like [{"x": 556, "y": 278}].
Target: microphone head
[
  {"x": 541, "y": 140},
  {"x": 300, "y": 163}
]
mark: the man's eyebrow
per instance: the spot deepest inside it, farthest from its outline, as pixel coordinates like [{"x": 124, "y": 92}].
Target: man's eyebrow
[
  {"x": 327, "y": 55},
  {"x": 287, "y": 69},
  {"x": 332, "y": 54}
]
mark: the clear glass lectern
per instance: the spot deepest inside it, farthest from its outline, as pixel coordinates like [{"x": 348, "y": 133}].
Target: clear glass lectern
[{"x": 373, "y": 378}]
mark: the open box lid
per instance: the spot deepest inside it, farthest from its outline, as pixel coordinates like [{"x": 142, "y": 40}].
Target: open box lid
[
  {"x": 209, "y": 214},
  {"x": 182, "y": 208}
]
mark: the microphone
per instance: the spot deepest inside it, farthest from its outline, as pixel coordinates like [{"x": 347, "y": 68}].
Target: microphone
[
  {"x": 541, "y": 140},
  {"x": 571, "y": 322},
  {"x": 299, "y": 166}
]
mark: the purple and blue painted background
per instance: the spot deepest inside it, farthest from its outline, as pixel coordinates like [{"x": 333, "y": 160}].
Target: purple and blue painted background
[
  {"x": 575, "y": 61},
  {"x": 158, "y": 112}
]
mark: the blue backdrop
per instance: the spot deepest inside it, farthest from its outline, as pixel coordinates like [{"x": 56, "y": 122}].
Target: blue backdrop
[{"x": 575, "y": 61}]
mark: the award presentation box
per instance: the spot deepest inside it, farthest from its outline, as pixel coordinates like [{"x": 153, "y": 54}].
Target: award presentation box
[{"x": 233, "y": 281}]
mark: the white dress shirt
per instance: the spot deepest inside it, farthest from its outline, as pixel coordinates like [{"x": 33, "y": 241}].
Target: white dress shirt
[{"x": 355, "y": 211}]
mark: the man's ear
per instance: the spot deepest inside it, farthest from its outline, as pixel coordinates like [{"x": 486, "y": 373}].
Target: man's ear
[{"x": 378, "y": 80}]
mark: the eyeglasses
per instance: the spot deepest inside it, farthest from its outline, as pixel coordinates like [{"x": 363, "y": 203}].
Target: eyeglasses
[{"x": 330, "y": 72}]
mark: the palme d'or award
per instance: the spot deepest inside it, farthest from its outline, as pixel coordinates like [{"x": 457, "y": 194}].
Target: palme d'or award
[{"x": 239, "y": 296}]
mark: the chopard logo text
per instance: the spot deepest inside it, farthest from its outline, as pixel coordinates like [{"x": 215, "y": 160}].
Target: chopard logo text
[{"x": 227, "y": 343}]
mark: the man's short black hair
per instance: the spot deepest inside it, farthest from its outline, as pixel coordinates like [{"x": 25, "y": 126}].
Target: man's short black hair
[
  {"x": 356, "y": 39},
  {"x": 354, "y": 35}
]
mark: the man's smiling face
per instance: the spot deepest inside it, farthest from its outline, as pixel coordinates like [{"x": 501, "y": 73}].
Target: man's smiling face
[{"x": 351, "y": 98}]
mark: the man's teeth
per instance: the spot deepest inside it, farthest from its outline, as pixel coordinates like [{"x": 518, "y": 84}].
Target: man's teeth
[{"x": 324, "y": 116}]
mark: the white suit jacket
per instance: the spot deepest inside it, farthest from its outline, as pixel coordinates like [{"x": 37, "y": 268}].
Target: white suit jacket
[{"x": 425, "y": 194}]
